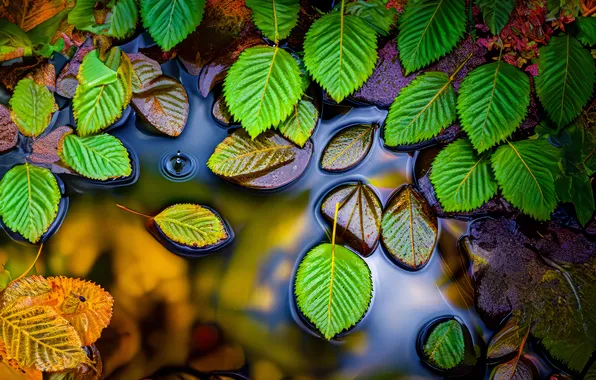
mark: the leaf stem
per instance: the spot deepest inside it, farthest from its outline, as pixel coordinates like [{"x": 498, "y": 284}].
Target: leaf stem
[
  {"x": 334, "y": 227},
  {"x": 461, "y": 66},
  {"x": 32, "y": 264},
  {"x": 133, "y": 211}
]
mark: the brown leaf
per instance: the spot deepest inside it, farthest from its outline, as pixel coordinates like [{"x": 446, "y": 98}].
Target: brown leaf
[
  {"x": 45, "y": 149},
  {"x": 9, "y": 132},
  {"x": 144, "y": 70},
  {"x": 347, "y": 148},
  {"x": 221, "y": 113},
  {"x": 91, "y": 370},
  {"x": 515, "y": 369},
  {"x": 46, "y": 75},
  {"x": 67, "y": 82},
  {"x": 11, "y": 75},
  {"x": 27, "y": 14},
  {"x": 359, "y": 216},
  {"x": 506, "y": 341}
]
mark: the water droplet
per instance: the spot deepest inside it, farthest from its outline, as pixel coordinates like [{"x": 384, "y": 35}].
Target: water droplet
[{"x": 178, "y": 166}]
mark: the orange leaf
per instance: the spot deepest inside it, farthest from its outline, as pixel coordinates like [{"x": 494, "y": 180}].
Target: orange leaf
[{"x": 27, "y": 14}]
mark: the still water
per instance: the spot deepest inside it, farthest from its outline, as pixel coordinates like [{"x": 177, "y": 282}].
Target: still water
[{"x": 164, "y": 304}]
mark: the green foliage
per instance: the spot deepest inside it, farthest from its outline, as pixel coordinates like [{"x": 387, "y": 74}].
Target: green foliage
[
  {"x": 421, "y": 110},
  {"x": 99, "y": 157},
  {"x": 262, "y": 87},
  {"x": 409, "y": 228},
  {"x": 587, "y": 30},
  {"x": 191, "y": 225},
  {"x": 298, "y": 127},
  {"x": 347, "y": 147},
  {"x": 445, "y": 346},
  {"x": 275, "y": 18},
  {"x": 493, "y": 101},
  {"x": 14, "y": 42},
  {"x": 577, "y": 189},
  {"x": 29, "y": 198},
  {"x": 32, "y": 107},
  {"x": 375, "y": 13},
  {"x": 169, "y": 22},
  {"x": 526, "y": 171},
  {"x": 340, "y": 52},
  {"x": 496, "y": 13},
  {"x": 463, "y": 179},
  {"x": 123, "y": 20},
  {"x": 333, "y": 288},
  {"x": 237, "y": 155},
  {"x": 566, "y": 78},
  {"x": 82, "y": 17},
  {"x": 429, "y": 29}
]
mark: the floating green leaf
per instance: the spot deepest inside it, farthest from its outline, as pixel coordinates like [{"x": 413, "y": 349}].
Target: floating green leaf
[
  {"x": 29, "y": 198},
  {"x": 93, "y": 72},
  {"x": 275, "y": 18},
  {"x": 275, "y": 86},
  {"x": 463, "y": 180},
  {"x": 506, "y": 341},
  {"x": 429, "y": 29},
  {"x": 340, "y": 52},
  {"x": 169, "y": 22},
  {"x": 32, "y": 107},
  {"x": 298, "y": 127},
  {"x": 14, "y": 43},
  {"x": 493, "y": 101},
  {"x": 238, "y": 155},
  {"x": 409, "y": 228},
  {"x": 587, "y": 30},
  {"x": 191, "y": 225},
  {"x": 496, "y": 13},
  {"x": 421, "y": 110},
  {"x": 347, "y": 148},
  {"x": 123, "y": 19},
  {"x": 566, "y": 78},
  {"x": 99, "y": 157},
  {"x": 376, "y": 14},
  {"x": 526, "y": 171},
  {"x": 333, "y": 288},
  {"x": 445, "y": 347}
]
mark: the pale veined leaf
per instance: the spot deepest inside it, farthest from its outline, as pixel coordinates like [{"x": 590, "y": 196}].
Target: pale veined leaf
[
  {"x": 29, "y": 198},
  {"x": 275, "y": 87},
  {"x": 347, "y": 148},
  {"x": 298, "y": 127},
  {"x": 493, "y": 101},
  {"x": 340, "y": 52},
  {"x": 421, "y": 110},
  {"x": 526, "y": 171},
  {"x": 463, "y": 180},
  {"x": 333, "y": 288},
  {"x": 496, "y": 13},
  {"x": 169, "y": 22},
  {"x": 429, "y": 29},
  {"x": 275, "y": 18},
  {"x": 566, "y": 78},
  {"x": 32, "y": 107},
  {"x": 445, "y": 346},
  {"x": 99, "y": 157},
  {"x": 409, "y": 228},
  {"x": 122, "y": 19},
  {"x": 237, "y": 155}
]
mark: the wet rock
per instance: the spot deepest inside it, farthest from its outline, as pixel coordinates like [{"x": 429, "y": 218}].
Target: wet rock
[
  {"x": 9, "y": 132},
  {"x": 67, "y": 82},
  {"x": 45, "y": 149}
]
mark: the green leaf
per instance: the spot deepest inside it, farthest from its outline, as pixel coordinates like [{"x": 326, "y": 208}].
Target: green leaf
[
  {"x": 191, "y": 225},
  {"x": 29, "y": 199},
  {"x": 82, "y": 17},
  {"x": 421, "y": 110},
  {"x": 526, "y": 171},
  {"x": 496, "y": 13},
  {"x": 376, "y": 14},
  {"x": 445, "y": 346},
  {"x": 333, "y": 288},
  {"x": 262, "y": 87},
  {"x": 429, "y": 29},
  {"x": 93, "y": 72},
  {"x": 563, "y": 188},
  {"x": 237, "y": 155},
  {"x": 409, "y": 228},
  {"x": 298, "y": 127},
  {"x": 582, "y": 197},
  {"x": 99, "y": 157},
  {"x": 506, "y": 341},
  {"x": 340, "y": 52},
  {"x": 566, "y": 78},
  {"x": 587, "y": 30},
  {"x": 46, "y": 31},
  {"x": 14, "y": 43},
  {"x": 347, "y": 148},
  {"x": 169, "y": 22},
  {"x": 493, "y": 101},
  {"x": 123, "y": 18},
  {"x": 463, "y": 180},
  {"x": 275, "y": 18},
  {"x": 358, "y": 216},
  {"x": 32, "y": 107}
]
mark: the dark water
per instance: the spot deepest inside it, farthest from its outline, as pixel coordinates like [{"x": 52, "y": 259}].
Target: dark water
[{"x": 245, "y": 288}]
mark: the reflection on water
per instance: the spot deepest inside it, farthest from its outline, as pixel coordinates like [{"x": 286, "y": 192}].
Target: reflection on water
[{"x": 233, "y": 309}]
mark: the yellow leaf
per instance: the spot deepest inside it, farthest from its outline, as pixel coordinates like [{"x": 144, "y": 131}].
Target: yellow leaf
[
  {"x": 91, "y": 370},
  {"x": 21, "y": 293}
]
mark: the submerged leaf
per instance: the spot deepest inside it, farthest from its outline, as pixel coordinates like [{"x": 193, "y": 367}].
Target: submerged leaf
[
  {"x": 100, "y": 157},
  {"x": 333, "y": 288},
  {"x": 29, "y": 198},
  {"x": 347, "y": 148},
  {"x": 463, "y": 180},
  {"x": 9, "y": 132},
  {"x": 506, "y": 341},
  {"x": 445, "y": 345},
  {"x": 298, "y": 127},
  {"x": 359, "y": 216},
  {"x": 409, "y": 228},
  {"x": 274, "y": 18},
  {"x": 32, "y": 107}
]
